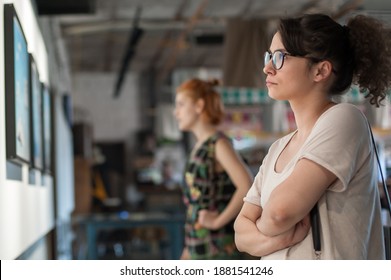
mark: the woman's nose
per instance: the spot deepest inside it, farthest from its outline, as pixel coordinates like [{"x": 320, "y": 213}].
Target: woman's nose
[{"x": 268, "y": 68}]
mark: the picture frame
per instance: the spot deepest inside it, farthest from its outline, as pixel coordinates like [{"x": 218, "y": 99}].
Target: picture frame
[
  {"x": 16, "y": 88},
  {"x": 36, "y": 131},
  {"x": 46, "y": 128}
]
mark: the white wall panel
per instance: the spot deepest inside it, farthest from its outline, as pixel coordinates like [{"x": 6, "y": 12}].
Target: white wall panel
[{"x": 26, "y": 211}]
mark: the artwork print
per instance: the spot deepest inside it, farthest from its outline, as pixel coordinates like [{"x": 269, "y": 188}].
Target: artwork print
[
  {"x": 46, "y": 115},
  {"x": 17, "y": 89},
  {"x": 36, "y": 117}
]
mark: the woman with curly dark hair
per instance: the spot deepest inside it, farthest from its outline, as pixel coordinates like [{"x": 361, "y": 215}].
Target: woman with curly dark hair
[{"x": 328, "y": 163}]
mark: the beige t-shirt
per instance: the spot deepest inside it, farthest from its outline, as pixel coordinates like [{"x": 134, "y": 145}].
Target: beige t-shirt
[{"x": 349, "y": 210}]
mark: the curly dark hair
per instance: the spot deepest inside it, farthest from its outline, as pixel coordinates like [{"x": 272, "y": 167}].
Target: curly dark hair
[{"x": 360, "y": 52}]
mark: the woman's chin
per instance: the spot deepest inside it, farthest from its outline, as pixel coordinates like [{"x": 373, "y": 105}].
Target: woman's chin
[
  {"x": 183, "y": 128},
  {"x": 275, "y": 96}
]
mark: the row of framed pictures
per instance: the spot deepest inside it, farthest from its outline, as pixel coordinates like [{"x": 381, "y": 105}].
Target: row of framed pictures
[{"x": 28, "y": 100}]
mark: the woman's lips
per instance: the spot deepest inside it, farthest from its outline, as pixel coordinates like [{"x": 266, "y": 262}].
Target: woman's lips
[{"x": 269, "y": 83}]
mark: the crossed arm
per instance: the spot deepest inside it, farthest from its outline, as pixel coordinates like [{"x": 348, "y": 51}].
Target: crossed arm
[
  {"x": 250, "y": 239},
  {"x": 284, "y": 220}
]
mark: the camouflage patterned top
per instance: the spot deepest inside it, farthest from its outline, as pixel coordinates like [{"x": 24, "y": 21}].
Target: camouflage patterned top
[{"x": 207, "y": 189}]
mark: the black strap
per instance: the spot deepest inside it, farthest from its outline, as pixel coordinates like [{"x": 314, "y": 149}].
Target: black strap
[{"x": 315, "y": 225}]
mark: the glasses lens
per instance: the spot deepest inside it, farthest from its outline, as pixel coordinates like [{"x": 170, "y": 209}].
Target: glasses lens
[
  {"x": 278, "y": 59},
  {"x": 266, "y": 58}
]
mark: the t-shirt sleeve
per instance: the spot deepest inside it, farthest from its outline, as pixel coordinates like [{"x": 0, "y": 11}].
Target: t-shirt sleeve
[
  {"x": 254, "y": 193},
  {"x": 336, "y": 142}
]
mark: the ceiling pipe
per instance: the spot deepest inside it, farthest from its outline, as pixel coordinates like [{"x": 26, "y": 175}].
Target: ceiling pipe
[
  {"x": 123, "y": 25},
  {"x": 134, "y": 37}
]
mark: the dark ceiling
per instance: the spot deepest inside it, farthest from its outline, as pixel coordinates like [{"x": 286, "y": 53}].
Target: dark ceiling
[
  {"x": 73, "y": 7},
  {"x": 139, "y": 35}
]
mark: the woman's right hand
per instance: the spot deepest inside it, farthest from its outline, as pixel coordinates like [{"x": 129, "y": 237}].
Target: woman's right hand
[
  {"x": 185, "y": 254},
  {"x": 294, "y": 235},
  {"x": 299, "y": 232}
]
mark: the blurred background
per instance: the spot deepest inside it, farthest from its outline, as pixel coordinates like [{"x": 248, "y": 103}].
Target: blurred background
[{"x": 112, "y": 190}]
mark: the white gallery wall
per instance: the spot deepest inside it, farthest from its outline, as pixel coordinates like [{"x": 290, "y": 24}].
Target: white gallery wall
[{"x": 26, "y": 211}]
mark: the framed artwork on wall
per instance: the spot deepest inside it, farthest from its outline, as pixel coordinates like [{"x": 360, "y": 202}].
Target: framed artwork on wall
[
  {"x": 16, "y": 88},
  {"x": 46, "y": 128},
  {"x": 36, "y": 140}
]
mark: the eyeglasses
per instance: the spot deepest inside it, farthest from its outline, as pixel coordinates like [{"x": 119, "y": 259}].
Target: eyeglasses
[{"x": 277, "y": 58}]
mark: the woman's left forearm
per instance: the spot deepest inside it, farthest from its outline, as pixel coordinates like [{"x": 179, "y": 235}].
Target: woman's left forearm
[{"x": 232, "y": 210}]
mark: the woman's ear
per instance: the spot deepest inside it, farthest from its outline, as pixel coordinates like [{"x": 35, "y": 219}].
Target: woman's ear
[
  {"x": 199, "y": 105},
  {"x": 323, "y": 70}
]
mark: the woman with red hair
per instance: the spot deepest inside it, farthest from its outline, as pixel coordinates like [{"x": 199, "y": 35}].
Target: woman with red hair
[{"x": 216, "y": 178}]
